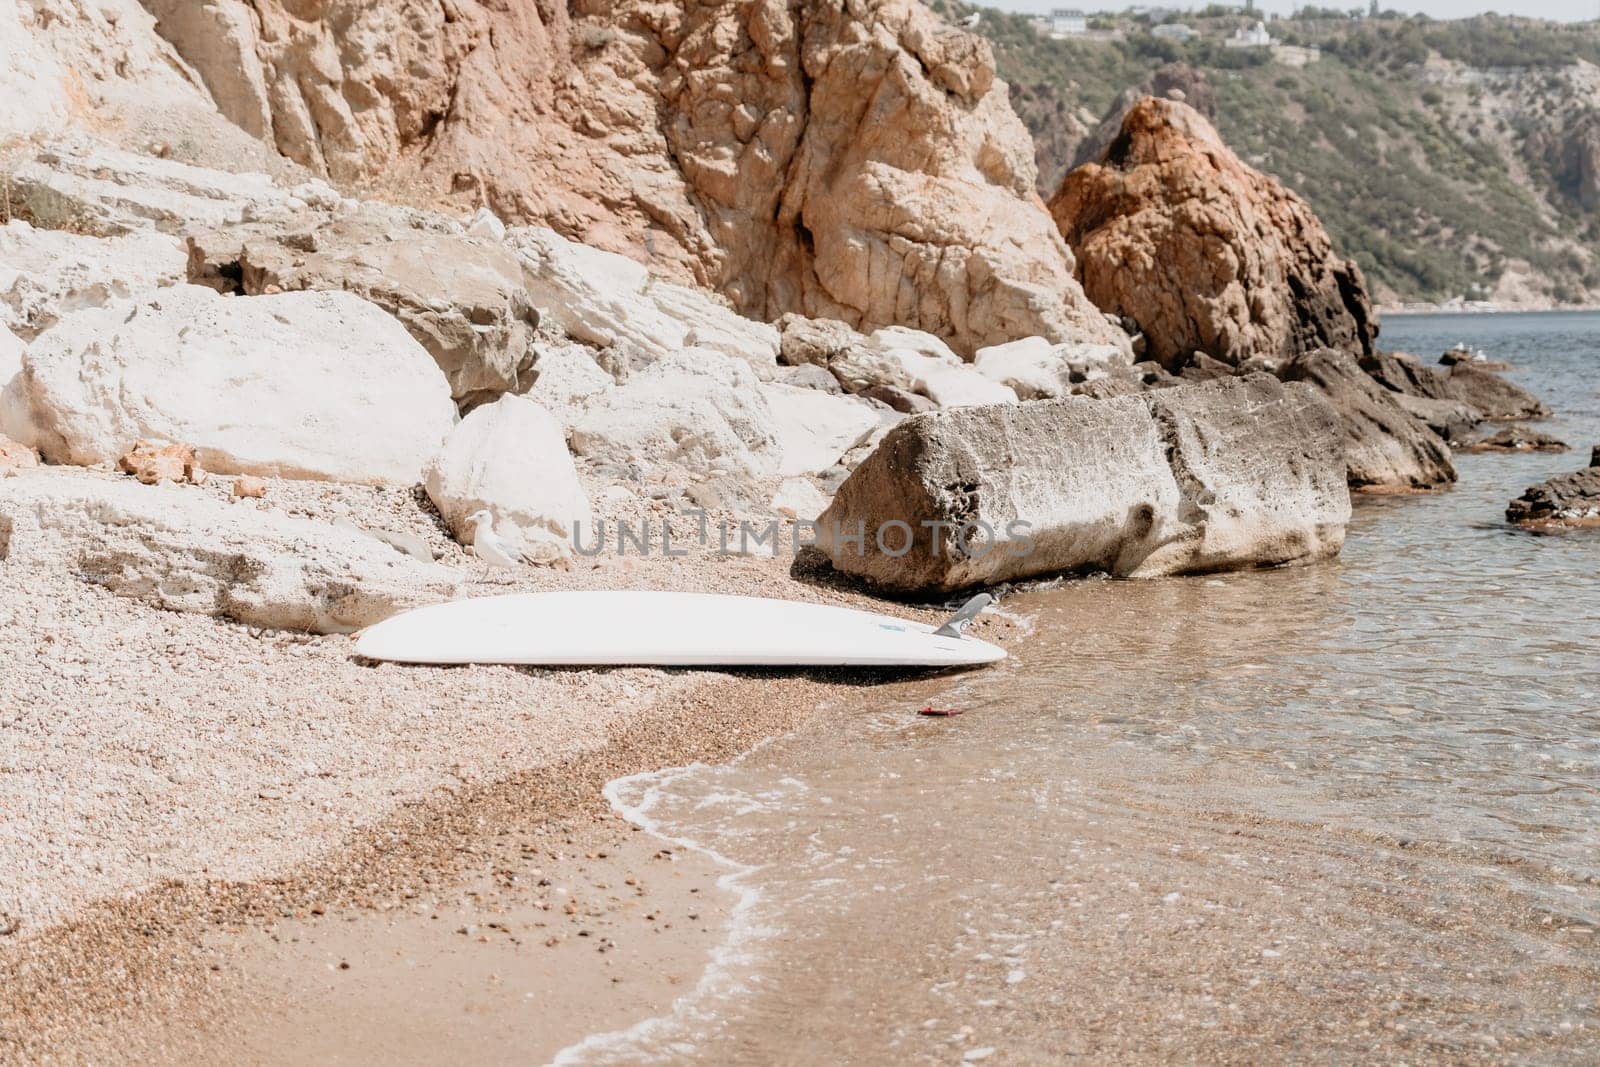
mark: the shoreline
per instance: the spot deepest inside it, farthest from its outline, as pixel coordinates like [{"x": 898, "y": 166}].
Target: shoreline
[{"x": 128, "y": 979}]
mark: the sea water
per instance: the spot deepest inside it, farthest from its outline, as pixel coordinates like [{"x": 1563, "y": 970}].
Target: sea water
[{"x": 1345, "y": 811}]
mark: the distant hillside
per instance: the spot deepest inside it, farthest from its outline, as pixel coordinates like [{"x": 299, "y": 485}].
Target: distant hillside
[{"x": 1453, "y": 160}]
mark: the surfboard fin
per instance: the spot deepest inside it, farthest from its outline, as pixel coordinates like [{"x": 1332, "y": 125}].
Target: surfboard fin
[{"x": 963, "y": 618}]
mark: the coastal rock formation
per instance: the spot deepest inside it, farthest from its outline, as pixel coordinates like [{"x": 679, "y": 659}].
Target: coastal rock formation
[
  {"x": 694, "y": 409},
  {"x": 610, "y": 301},
  {"x": 81, "y": 184},
  {"x": 1517, "y": 439},
  {"x": 301, "y": 385},
  {"x": 179, "y": 549},
  {"x": 1493, "y": 395},
  {"x": 815, "y": 428},
  {"x": 566, "y": 378},
  {"x": 1171, "y": 229},
  {"x": 1452, "y": 420},
  {"x": 894, "y": 361},
  {"x": 462, "y": 297},
  {"x": 45, "y": 274},
  {"x": 857, "y": 161},
  {"x": 1243, "y": 472},
  {"x": 1385, "y": 447},
  {"x": 1488, "y": 393},
  {"x": 1035, "y": 369},
  {"x": 510, "y": 458},
  {"x": 1566, "y": 500},
  {"x": 16, "y": 421},
  {"x": 1174, "y": 81}
]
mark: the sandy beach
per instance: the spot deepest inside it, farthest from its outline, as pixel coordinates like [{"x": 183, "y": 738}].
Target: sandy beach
[{"x": 177, "y": 777}]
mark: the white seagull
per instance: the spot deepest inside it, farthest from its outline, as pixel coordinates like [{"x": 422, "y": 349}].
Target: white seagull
[
  {"x": 972, "y": 20},
  {"x": 487, "y": 544}
]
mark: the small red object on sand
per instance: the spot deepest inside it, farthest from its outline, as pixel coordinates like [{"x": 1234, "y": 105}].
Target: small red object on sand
[{"x": 941, "y": 713}]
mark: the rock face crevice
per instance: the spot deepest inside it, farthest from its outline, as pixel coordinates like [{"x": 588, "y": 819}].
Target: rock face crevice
[
  {"x": 851, "y": 160},
  {"x": 1171, "y": 229}
]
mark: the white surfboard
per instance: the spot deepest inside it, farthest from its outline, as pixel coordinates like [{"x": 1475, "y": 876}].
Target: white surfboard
[{"x": 667, "y": 630}]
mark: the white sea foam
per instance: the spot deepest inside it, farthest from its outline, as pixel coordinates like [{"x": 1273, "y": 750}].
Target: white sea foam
[{"x": 694, "y": 1015}]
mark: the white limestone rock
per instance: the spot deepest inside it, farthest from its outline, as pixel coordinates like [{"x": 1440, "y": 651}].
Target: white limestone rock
[
  {"x": 1037, "y": 369},
  {"x": 697, "y": 409},
  {"x": 510, "y": 458},
  {"x": 296, "y": 385},
  {"x": 610, "y": 301},
  {"x": 180, "y": 549},
  {"x": 16, "y": 421},
  {"x": 45, "y": 274},
  {"x": 111, "y": 191},
  {"x": 567, "y": 378},
  {"x": 815, "y": 428}
]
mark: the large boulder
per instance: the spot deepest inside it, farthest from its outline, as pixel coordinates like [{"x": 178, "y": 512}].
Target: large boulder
[
  {"x": 892, "y": 362},
  {"x": 184, "y": 550},
  {"x": 510, "y": 458},
  {"x": 299, "y": 385},
  {"x": 462, "y": 297},
  {"x": 815, "y": 428},
  {"x": 695, "y": 409},
  {"x": 1385, "y": 446},
  {"x": 1173, "y": 230},
  {"x": 1565, "y": 500},
  {"x": 566, "y": 379},
  {"x": 1241, "y": 472},
  {"x": 45, "y": 274}
]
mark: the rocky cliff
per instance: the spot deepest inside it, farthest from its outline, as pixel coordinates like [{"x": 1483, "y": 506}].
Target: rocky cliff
[
  {"x": 1206, "y": 254},
  {"x": 851, "y": 160}
]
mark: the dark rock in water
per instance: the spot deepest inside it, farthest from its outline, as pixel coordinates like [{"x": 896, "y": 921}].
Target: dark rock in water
[
  {"x": 1450, "y": 419},
  {"x": 1406, "y": 374},
  {"x": 1493, "y": 395},
  {"x": 1490, "y": 394},
  {"x": 1471, "y": 357},
  {"x": 1565, "y": 500},
  {"x": 1385, "y": 446},
  {"x": 1517, "y": 439},
  {"x": 1231, "y": 474}
]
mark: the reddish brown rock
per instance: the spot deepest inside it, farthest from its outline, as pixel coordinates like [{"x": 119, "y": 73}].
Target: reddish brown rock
[
  {"x": 249, "y": 487},
  {"x": 1171, "y": 229},
  {"x": 853, "y": 161},
  {"x": 161, "y": 461},
  {"x": 14, "y": 456}
]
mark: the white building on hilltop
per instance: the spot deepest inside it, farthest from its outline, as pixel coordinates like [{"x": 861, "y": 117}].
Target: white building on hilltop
[
  {"x": 1068, "y": 22},
  {"x": 1254, "y": 37},
  {"x": 1174, "y": 31}
]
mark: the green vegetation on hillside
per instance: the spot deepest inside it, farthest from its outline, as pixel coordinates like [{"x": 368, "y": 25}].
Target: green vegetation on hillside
[{"x": 1440, "y": 155}]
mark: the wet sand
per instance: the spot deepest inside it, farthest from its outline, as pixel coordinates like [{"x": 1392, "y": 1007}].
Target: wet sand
[{"x": 214, "y": 967}]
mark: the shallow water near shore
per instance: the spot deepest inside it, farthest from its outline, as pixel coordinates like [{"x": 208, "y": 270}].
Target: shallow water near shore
[{"x": 1320, "y": 813}]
